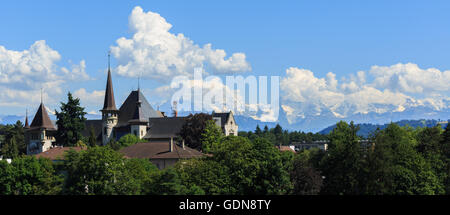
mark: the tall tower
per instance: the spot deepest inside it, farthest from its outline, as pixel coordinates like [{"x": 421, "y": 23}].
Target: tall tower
[{"x": 110, "y": 114}]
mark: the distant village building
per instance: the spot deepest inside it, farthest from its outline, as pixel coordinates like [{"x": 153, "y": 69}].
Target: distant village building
[
  {"x": 160, "y": 153},
  {"x": 226, "y": 122},
  {"x": 320, "y": 144},
  {"x": 286, "y": 148},
  {"x": 135, "y": 116}
]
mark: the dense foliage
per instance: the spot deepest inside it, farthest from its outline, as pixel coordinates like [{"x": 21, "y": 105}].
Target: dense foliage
[
  {"x": 28, "y": 176},
  {"x": 278, "y": 136},
  {"x": 192, "y": 130},
  {"x": 70, "y": 122},
  {"x": 12, "y": 140},
  {"x": 395, "y": 161}
]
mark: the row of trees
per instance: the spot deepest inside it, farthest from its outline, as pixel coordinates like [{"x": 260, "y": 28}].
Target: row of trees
[
  {"x": 398, "y": 160},
  {"x": 12, "y": 140},
  {"x": 278, "y": 135}
]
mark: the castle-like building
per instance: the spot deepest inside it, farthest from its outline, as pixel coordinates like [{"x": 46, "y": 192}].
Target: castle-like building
[{"x": 135, "y": 116}]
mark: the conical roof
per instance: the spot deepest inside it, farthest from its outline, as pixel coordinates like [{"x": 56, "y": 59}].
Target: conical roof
[
  {"x": 41, "y": 119},
  {"x": 109, "y": 103}
]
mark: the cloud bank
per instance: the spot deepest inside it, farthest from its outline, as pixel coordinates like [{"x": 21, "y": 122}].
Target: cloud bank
[
  {"x": 392, "y": 89},
  {"x": 155, "y": 53},
  {"x": 23, "y": 73}
]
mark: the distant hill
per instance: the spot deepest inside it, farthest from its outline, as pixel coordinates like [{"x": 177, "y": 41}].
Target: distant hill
[
  {"x": 12, "y": 119},
  {"x": 367, "y": 128}
]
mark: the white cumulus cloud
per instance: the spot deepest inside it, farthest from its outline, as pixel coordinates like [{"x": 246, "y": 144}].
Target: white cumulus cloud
[
  {"x": 24, "y": 73},
  {"x": 392, "y": 89},
  {"x": 155, "y": 53}
]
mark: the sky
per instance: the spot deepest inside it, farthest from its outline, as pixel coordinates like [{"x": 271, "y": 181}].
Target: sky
[{"x": 343, "y": 56}]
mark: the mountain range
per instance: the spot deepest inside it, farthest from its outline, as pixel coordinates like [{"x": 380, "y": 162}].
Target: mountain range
[{"x": 321, "y": 122}]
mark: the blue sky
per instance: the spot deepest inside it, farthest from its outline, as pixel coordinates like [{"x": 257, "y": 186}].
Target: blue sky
[{"x": 341, "y": 37}]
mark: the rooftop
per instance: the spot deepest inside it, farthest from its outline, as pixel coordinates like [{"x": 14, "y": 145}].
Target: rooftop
[
  {"x": 159, "y": 150},
  {"x": 57, "y": 153}
]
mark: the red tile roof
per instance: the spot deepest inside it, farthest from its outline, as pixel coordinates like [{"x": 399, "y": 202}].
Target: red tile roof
[
  {"x": 57, "y": 153},
  {"x": 285, "y": 148},
  {"x": 159, "y": 150}
]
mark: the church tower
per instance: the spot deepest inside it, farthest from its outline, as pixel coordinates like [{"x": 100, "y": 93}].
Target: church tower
[{"x": 110, "y": 114}]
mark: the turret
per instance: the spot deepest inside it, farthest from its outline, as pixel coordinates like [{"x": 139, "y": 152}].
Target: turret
[
  {"x": 110, "y": 113},
  {"x": 40, "y": 134}
]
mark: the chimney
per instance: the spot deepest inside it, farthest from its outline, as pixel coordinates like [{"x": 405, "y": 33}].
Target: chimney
[
  {"x": 171, "y": 145},
  {"x": 174, "y": 109}
]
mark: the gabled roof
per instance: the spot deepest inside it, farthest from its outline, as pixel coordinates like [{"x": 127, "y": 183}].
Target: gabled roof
[
  {"x": 159, "y": 150},
  {"x": 128, "y": 108},
  {"x": 223, "y": 117},
  {"x": 42, "y": 120},
  {"x": 109, "y": 103},
  {"x": 165, "y": 127}
]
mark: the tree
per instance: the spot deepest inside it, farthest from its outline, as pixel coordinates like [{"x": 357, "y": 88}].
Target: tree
[
  {"x": 192, "y": 130},
  {"x": 278, "y": 132},
  {"x": 211, "y": 137},
  {"x": 29, "y": 176},
  {"x": 70, "y": 122},
  {"x": 92, "y": 140},
  {"x": 342, "y": 166},
  {"x": 258, "y": 130},
  {"x": 266, "y": 129},
  {"x": 209, "y": 175},
  {"x": 305, "y": 178},
  {"x": 113, "y": 144},
  {"x": 395, "y": 167},
  {"x": 272, "y": 176},
  {"x": 168, "y": 182},
  {"x": 430, "y": 147},
  {"x": 14, "y": 141},
  {"x": 252, "y": 167},
  {"x": 128, "y": 140},
  {"x": 138, "y": 175},
  {"x": 445, "y": 146},
  {"x": 10, "y": 148},
  {"x": 97, "y": 170}
]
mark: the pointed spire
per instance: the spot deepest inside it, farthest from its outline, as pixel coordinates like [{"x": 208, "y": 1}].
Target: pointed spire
[
  {"x": 26, "y": 119},
  {"x": 109, "y": 103},
  {"x": 41, "y": 119},
  {"x": 139, "y": 83}
]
